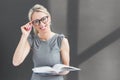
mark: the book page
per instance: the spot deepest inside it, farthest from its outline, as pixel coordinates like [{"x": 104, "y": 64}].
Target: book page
[
  {"x": 59, "y": 66},
  {"x": 62, "y": 67},
  {"x": 56, "y": 69},
  {"x": 45, "y": 69}
]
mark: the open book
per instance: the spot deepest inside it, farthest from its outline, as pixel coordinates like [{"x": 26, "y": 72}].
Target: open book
[{"x": 56, "y": 69}]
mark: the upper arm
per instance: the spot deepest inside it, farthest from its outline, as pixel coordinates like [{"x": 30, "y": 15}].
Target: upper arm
[{"x": 65, "y": 51}]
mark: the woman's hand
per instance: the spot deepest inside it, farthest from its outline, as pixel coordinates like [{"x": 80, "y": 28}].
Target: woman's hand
[{"x": 26, "y": 29}]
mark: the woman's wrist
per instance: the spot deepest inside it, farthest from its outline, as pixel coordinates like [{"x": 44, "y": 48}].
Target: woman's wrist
[{"x": 24, "y": 36}]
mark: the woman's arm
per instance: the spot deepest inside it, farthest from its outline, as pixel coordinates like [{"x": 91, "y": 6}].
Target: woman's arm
[
  {"x": 23, "y": 47},
  {"x": 65, "y": 54}
]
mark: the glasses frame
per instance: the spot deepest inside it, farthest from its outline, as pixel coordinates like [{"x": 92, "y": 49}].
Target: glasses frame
[{"x": 38, "y": 21}]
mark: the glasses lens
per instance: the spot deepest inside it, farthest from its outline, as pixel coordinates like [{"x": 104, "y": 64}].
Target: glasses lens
[
  {"x": 36, "y": 22},
  {"x": 44, "y": 19}
]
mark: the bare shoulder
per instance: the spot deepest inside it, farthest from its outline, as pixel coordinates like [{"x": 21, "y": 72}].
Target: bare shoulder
[
  {"x": 65, "y": 43},
  {"x": 65, "y": 40}
]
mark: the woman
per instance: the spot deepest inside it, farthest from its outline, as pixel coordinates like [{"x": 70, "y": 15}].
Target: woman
[{"x": 48, "y": 48}]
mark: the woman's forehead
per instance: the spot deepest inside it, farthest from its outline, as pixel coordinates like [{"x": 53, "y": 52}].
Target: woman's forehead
[{"x": 38, "y": 15}]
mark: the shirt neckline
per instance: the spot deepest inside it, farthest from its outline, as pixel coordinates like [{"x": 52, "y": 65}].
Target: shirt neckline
[{"x": 48, "y": 39}]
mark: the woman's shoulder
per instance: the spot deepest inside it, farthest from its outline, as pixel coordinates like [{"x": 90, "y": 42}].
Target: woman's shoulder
[
  {"x": 60, "y": 37},
  {"x": 60, "y": 34}
]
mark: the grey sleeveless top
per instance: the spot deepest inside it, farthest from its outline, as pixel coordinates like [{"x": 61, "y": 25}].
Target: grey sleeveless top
[{"x": 46, "y": 53}]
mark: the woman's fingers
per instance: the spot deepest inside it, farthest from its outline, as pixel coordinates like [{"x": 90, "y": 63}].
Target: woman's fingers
[
  {"x": 26, "y": 29},
  {"x": 28, "y": 26}
]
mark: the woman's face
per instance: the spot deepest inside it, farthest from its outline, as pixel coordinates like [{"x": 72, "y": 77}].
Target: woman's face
[{"x": 41, "y": 22}]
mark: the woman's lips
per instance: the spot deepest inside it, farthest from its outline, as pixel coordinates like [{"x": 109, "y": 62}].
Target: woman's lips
[{"x": 42, "y": 27}]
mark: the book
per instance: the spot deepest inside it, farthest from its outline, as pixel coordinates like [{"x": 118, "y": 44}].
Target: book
[{"x": 56, "y": 69}]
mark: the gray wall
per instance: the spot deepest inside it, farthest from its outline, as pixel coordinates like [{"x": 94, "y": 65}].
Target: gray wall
[
  {"x": 99, "y": 33},
  {"x": 92, "y": 27}
]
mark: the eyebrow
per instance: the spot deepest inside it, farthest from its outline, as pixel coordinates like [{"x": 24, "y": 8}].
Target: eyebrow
[{"x": 41, "y": 18}]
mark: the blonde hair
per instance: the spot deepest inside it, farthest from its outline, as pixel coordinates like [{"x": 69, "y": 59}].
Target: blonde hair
[{"x": 37, "y": 8}]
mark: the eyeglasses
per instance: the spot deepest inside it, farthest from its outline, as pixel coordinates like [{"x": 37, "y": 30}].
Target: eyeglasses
[{"x": 38, "y": 21}]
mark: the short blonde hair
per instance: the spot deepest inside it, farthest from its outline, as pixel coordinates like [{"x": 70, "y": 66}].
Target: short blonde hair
[{"x": 37, "y": 8}]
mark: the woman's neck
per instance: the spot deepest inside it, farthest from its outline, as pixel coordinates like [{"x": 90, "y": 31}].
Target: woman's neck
[{"x": 46, "y": 36}]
